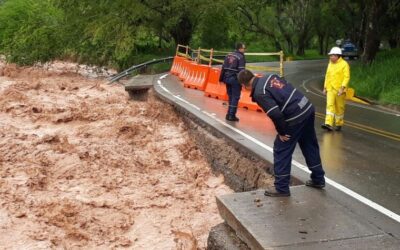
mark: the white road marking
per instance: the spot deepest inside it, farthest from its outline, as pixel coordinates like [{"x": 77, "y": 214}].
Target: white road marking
[
  {"x": 338, "y": 186},
  {"x": 163, "y": 76}
]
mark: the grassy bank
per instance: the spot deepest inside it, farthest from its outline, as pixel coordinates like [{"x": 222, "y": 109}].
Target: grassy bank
[{"x": 381, "y": 80}]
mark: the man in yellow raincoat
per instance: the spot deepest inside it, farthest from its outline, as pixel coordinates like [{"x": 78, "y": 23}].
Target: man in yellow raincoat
[{"x": 336, "y": 80}]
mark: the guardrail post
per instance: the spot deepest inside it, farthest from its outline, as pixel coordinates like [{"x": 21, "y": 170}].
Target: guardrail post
[
  {"x": 211, "y": 57},
  {"x": 198, "y": 56},
  {"x": 187, "y": 50}
]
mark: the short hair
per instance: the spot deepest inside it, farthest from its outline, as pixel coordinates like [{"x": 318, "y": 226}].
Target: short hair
[
  {"x": 239, "y": 46},
  {"x": 245, "y": 76}
]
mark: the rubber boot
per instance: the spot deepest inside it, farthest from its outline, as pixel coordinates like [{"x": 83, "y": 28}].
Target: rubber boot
[{"x": 231, "y": 116}]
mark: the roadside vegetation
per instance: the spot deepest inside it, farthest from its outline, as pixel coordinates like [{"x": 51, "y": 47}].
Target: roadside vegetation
[
  {"x": 122, "y": 33},
  {"x": 381, "y": 80}
]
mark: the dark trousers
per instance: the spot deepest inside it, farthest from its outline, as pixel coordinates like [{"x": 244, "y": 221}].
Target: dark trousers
[
  {"x": 304, "y": 134},
  {"x": 233, "y": 89}
]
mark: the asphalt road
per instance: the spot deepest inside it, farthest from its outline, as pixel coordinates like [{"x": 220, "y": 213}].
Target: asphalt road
[{"x": 364, "y": 157}]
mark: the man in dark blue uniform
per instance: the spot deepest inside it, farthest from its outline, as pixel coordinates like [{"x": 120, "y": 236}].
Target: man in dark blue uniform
[
  {"x": 293, "y": 116},
  {"x": 233, "y": 64}
]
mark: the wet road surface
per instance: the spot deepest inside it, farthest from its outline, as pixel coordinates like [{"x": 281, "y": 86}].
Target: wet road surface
[{"x": 364, "y": 157}]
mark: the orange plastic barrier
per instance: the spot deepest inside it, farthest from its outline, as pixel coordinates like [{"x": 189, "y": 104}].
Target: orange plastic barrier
[
  {"x": 177, "y": 65},
  {"x": 184, "y": 70},
  {"x": 214, "y": 88},
  {"x": 246, "y": 102},
  {"x": 198, "y": 75}
]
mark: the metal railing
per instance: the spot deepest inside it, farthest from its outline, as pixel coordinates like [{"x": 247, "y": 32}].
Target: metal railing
[
  {"x": 128, "y": 71},
  {"x": 196, "y": 55}
]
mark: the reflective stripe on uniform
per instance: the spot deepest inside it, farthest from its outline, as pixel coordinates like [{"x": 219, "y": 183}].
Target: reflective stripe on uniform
[
  {"x": 290, "y": 97},
  {"x": 330, "y": 113},
  {"x": 272, "y": 109},
  {"x": 315, "y": 166},
  {"x": 283, "y": 175},
  {"x": 339, "y": 116},
  {"x": 231, "y": 69},
  {"x": 302, "y": 113}
]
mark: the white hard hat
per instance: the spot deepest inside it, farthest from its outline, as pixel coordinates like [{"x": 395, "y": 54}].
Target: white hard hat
[{"x": 335, "y": 51}]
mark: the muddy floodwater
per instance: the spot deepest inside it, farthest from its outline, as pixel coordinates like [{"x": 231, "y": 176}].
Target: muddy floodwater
[{"x": 83, "y": 167}]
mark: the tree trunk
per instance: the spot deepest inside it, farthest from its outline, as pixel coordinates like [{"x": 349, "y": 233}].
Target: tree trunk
[
  {"x": 278, "y": 45},
  {"x": 372, "y": 36},
  {"x": 393, "y": 43},
  {"x": 302, "y": 42},
  {"x": 182, "y": 32},
  {"x": 362, "y": 31},
  {"x": 321, "y": 38},
  {"x": 326, "y": 45},
  {"x": 290, "y": 46},
  {"x": 287, "y": 35},
  {"x": 301, "y": 48}
]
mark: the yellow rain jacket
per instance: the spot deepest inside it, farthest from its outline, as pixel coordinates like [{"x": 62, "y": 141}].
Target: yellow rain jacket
[{"x": 337, "y": 75}]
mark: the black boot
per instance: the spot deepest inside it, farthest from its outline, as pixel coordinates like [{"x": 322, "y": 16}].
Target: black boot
[
  {"x": 327, "y": 127},
  {"x": 311, "y": 183},
  {"x": 231, "y": 118},
  {"x": 231, "y": 115},
  {"x": 272, "y": 192},
  {"x": 338, "y": 128}
]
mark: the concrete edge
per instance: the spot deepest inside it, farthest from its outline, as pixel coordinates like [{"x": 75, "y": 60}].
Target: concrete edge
[{"x": 235, "y": 224}]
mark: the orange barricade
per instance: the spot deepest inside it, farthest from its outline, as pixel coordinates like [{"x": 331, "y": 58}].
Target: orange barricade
[
  {"x": 184, "y": 70},
  {"x": 214, "y": 88},
  {"x": 246, "y": 102},
  {"x": 190, "y": 73},
  {"x": 198, "y": 75},
  {"x": 177, "y": 65}
]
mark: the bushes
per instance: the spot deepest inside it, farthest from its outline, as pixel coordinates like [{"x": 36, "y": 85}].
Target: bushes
[
  {"x": 98, "y": 33},
  {"x": 381, "y": 80},
  {"x": 30, "y": 31}
]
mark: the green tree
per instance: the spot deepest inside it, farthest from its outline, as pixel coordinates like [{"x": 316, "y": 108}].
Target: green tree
[
  {"x": 214, "y": 26},
  {"x": 105, "y": 32},
  {"x": 327, "y": 25},
  {"x": 391, "y": 30},
  {"x": 253, "y": 18},
  {"x": 175, "y": 18},
  {"x": 300, "y": 14},
  {"x": 30, "y": 31}
]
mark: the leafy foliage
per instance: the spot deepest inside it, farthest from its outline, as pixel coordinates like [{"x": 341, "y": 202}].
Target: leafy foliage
[
  {"x": 120, "y": 32},
  {"x": 214, "y": 27},
  {"x": 30, "y": 31},
  {"x": 381, "y": 80}
]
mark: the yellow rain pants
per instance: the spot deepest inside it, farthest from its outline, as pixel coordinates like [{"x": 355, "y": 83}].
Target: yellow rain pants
[{"x": 337, "y": 76}]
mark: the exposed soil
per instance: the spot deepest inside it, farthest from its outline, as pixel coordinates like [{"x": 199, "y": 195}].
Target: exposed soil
[
  {"x": 242, "y": 169},
  {"x": 82, "y": 166}
]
